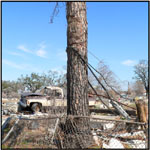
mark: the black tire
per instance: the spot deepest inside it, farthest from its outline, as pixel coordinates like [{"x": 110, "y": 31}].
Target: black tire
[{"x": 36, "y": 108}]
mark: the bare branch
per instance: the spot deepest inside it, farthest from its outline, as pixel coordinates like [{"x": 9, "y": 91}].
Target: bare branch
[{"x": 55, "y": 13}]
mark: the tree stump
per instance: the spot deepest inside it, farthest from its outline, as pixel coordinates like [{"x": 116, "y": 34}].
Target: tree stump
[{"x": 142, "y": 112}]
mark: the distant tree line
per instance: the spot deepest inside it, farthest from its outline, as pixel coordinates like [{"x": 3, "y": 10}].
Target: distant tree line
[
  {"x": 35, "y": 81},
  {"x": 32, "y": 83}
]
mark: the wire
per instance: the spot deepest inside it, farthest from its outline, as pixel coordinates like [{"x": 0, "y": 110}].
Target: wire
[
  {"x": 104, "y": 78},
  {"x": 94, "y": 55},
  {"x": 115, "y": 104},
  {"x": 100, "y": 61}
]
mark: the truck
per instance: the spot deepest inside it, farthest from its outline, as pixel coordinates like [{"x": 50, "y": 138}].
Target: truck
[{"x": 47, "y": 96}]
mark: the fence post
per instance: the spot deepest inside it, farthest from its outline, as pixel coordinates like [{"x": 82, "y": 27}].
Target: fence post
[{"x": 142, "y": 111}]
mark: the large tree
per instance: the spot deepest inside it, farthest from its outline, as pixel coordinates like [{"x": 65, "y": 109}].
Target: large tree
[
  {"x": 32, "y": 82},
  {"x": 138, "y": 88},
  {"x": 141, "y": 73},
  {"x": 77, "y": 75},
  {"x": 107, "y": 77},
  {"x": 35, "y": 81}
]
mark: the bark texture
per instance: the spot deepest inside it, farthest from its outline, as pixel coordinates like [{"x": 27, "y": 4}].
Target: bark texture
[{"x": 77, "y": 75}]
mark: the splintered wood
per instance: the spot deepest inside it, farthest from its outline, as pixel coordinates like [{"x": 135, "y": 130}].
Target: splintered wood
[{"x": 142, "y": 112}]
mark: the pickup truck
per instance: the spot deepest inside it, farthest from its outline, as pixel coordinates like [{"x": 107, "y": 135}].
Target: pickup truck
[{"x": 47, "y": 96}]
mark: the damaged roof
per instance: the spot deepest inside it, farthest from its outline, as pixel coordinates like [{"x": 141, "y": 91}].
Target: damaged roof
[{"x": 31, "y": 94}]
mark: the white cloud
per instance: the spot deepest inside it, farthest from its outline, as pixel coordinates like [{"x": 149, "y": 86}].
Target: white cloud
[
  {"x": 129, "y": 62},
  {"x": 11, "y": 64},
  {"x": 16, "y": 54},
  {"x": 41, "y": 53},
  {"x": 23, "y": 48},
  {"x": 27, "y": 67}
]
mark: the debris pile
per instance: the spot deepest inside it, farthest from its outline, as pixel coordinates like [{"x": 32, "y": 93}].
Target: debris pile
[
  {"x": 9, "y": 108},
  {"x": 49, "y": 131}
]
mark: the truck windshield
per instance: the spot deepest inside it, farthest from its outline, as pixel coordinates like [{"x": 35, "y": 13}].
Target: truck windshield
[{"x": 52, "y": 93}]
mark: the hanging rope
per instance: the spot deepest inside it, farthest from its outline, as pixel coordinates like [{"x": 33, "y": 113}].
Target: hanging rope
[{"x": 115, "y": 104}]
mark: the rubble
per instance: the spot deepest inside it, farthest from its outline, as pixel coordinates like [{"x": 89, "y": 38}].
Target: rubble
[
  {"x": 113, "y": 143},
  {"x": 106, "y": 131},
  {"x": 9, "y": 107},
  {"x": 139, "y": 144},
  {"x": 138, "y": 133},
  {"x": 102, "y": 133},
  {"x": 96, "y": 139},
  {"x": 6, "y": 112},
  {"x": 108, "y": 126}
]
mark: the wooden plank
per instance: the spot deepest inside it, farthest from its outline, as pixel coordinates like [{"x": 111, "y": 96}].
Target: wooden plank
[
  {"x": 10, "y": 131},
  {"x": 4, "y": 125},
  {"x": 130, "y": 112}
]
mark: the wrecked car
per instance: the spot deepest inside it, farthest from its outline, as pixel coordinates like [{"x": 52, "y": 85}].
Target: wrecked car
[{"x": 48, "y": 96}]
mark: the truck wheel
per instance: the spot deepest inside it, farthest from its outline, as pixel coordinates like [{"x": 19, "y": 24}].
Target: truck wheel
[{"x": 35, "y": 108}]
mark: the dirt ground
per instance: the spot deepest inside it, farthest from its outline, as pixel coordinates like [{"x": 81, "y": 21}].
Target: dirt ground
[{"x": 9, "y": 100}]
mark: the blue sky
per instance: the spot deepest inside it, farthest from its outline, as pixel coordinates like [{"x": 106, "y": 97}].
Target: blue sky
[{"x": 117, "y": 34}]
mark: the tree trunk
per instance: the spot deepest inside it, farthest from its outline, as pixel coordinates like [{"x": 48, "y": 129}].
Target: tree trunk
[{"x": 77, "y": 75}]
